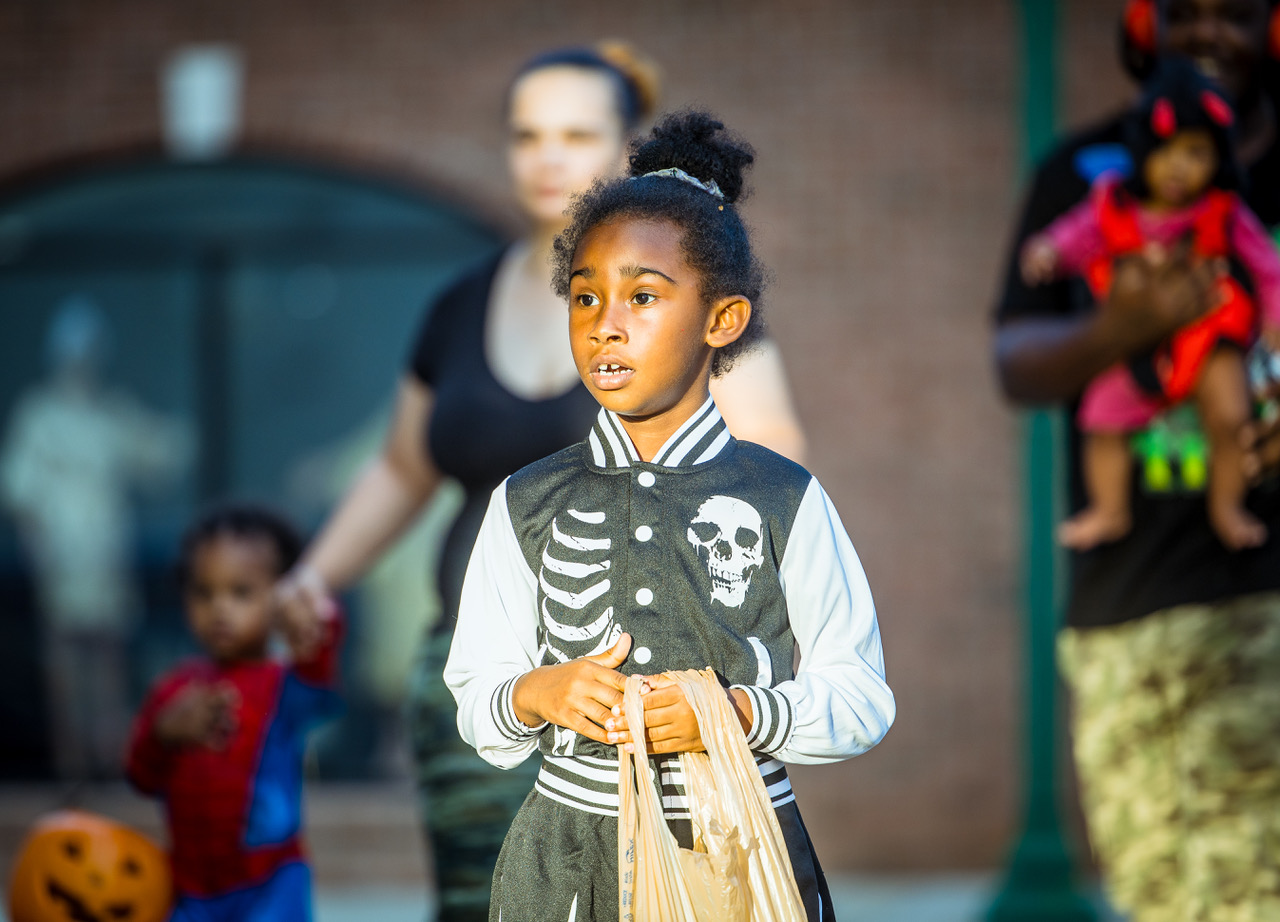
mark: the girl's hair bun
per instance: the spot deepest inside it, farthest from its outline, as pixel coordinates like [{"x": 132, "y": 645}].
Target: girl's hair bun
[
  {"x": 699, "y": 144},
  {"x": 640, "y": 71}
]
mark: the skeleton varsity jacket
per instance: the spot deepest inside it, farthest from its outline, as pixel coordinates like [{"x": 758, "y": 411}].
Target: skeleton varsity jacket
[{"x": 717, "y": 553}]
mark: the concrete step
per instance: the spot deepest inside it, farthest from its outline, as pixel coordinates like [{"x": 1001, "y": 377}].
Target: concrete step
[
  {"x": 370, "y": 865},
  {"x": 358, "y": 833}
]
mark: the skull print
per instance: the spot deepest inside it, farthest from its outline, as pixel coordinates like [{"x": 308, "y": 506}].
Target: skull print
[{"x": 728, "y": 535}]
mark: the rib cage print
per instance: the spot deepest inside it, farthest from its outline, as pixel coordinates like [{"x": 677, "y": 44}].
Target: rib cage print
[{"x": 573, "y": 587}]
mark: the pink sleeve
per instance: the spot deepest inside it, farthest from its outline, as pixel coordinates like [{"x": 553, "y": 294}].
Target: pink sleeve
[
  {"x": 1077, "y": 237},
  {"x": 1253, "y": 247}
]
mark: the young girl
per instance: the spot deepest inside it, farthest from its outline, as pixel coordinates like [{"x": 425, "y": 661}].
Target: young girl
[
  {"x": 1179, "y": 193},
  {"x": 220, "y": 738},
  {"x": 658, "y": 543}
]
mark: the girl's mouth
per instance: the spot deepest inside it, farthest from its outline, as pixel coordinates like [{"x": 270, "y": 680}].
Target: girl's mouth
[{"x": 608, "y": 376}]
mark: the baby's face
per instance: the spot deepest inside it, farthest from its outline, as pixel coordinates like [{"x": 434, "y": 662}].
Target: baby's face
[
  {"x": 1180, "y": 170},
  {"x": 230, "y": 596}
]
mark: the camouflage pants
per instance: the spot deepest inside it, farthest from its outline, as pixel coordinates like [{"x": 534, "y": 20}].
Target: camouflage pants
[
  {"x": 466, "y": 804},
  {"x": 1176, "y": 722}
]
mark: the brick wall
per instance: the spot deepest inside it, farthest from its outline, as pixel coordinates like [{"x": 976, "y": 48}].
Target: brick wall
[{"x": 888, "y": 150}]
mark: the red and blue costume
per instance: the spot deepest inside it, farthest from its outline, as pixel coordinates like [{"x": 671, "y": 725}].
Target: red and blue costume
[{"x": 235, "y": 813}]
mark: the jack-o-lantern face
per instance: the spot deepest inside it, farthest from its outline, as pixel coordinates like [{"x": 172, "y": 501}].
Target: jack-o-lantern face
[{"x": 80, "y": 867}]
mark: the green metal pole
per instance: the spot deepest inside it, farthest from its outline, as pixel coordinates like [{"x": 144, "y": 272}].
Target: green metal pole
[{"x": 1039, "y": 882}]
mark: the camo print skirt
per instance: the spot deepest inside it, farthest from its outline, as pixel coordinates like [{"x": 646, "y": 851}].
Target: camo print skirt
[{"x": 1176, "y": 725}]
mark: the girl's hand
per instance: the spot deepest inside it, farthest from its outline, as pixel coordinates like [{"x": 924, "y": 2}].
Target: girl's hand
[
  {"x": 669, "y": 721},
  {"x": 578, "y": 695},
  {"x": 199, "y": 715}
]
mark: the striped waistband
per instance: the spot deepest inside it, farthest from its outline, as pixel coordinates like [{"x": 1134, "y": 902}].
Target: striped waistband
[{"x": 591, "y": 784}]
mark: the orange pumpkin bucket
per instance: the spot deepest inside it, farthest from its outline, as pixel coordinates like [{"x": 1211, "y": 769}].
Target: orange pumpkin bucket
[{"x": 81, "y": 867}]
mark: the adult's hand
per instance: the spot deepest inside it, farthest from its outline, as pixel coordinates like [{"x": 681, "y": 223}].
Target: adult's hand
[
  {"x": 1260, "y": 440},
  {"x": 1155, "y": 292},
  {"x": 304, "y": 606}
]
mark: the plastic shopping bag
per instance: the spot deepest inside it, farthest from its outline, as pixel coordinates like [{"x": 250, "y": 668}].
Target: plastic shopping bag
[{"x": 738, "y": 869}]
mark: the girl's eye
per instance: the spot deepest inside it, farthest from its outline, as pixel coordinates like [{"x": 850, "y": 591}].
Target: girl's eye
[
  {"x": 584, "y": 300},
  {"x": 644, "y": 297}
]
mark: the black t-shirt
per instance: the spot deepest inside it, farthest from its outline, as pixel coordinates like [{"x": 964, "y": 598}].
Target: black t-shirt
[
  {"x": 480, "y": 432},
  {"x": 1171, "y": 556}
]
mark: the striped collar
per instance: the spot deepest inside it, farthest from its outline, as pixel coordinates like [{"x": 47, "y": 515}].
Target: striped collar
[{"x": 702, "y": 437}]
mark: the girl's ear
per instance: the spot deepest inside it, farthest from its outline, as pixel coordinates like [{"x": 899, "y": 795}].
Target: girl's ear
[{"x": 728, "y": 320}]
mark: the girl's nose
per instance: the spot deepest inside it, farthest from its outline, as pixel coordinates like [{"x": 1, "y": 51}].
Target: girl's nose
[{"x": 609, "y": 325}]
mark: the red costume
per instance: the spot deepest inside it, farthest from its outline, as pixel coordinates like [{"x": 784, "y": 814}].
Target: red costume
[
  {"x": 1234, "y": 320},
  {"x": 1111, "y": 224},
  {"x": 235, "y": 813}
]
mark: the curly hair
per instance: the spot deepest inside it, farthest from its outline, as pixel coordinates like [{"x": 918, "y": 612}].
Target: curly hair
[
  {"x": 715, "y": 241},
  {"x": 242, "y": 521}
]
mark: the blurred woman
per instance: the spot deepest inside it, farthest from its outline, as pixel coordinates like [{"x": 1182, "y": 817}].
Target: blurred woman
[{"x": 491, "y": 387}]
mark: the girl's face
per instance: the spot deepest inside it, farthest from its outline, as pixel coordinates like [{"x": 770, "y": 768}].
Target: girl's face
[
  {"x": 565, "y": 133},
  {"x": 642, "y": 336},
  {"x": 1178, "y": 171},
  {"x": 230, "y": 599},
  {"x": 1226, "y": 38}
]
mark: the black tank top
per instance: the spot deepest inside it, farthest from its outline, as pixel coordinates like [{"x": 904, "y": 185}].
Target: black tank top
[{"x": 480, "y": 432}]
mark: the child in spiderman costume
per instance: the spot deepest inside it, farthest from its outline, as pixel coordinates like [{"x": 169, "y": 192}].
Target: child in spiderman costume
[
  {"x": 1179, "y": 193},
  {"x": 220, "y": 739}
]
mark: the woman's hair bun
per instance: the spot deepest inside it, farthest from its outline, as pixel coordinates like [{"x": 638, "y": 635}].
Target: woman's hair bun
[
  {"x": 699, "y": 144},
  {"x": 640, "y": 70}
]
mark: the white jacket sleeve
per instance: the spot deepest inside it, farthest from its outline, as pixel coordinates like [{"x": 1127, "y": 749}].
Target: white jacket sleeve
[
  {"x": 495, "y": 641},
  {"x": 838, "y": 705}
]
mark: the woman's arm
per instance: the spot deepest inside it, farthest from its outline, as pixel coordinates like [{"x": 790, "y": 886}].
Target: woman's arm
[
  {"x": 384, "y": 500},
  {"x": 755, "y": 402}
]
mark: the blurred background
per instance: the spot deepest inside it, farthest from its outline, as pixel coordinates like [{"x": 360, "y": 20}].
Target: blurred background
[{"x": 236, "y": 212}]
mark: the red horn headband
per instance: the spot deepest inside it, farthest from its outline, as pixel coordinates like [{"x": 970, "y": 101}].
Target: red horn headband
[
  {"x": 1216, "y": 108},
  {"x": 1140, "y": 24},
  {"x": 1163, "y": 121}
]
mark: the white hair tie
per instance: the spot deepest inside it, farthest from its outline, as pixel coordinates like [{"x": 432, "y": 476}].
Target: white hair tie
[{"x": 677, "y": 173}]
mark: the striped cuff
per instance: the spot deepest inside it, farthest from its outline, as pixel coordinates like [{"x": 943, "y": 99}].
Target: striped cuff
[
  {"x": 773, "y": 719},
  {"x": 503, "y": 711}
]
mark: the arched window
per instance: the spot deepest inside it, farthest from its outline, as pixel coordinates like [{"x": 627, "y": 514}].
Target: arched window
[{"x": 271, "y": 305}]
